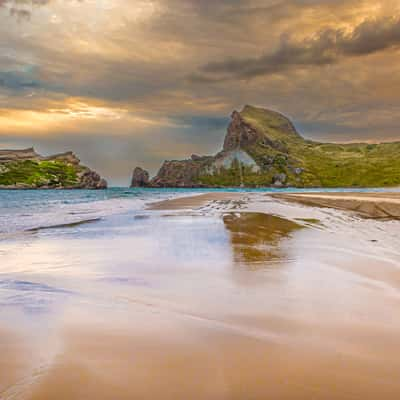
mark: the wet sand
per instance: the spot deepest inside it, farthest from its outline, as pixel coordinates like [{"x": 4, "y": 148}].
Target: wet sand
[
  {"x": 224, "y": 297},
  {"x": 256, "y": 237},
  {"x": 188, "y": 202},
  {"x": 371, "y": 205},
  {"x": 211, "y": 365},
  {"x": 10, "y": 359}
]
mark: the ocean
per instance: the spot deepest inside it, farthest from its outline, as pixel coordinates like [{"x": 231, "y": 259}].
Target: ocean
[{"x": 24, "y": 210}]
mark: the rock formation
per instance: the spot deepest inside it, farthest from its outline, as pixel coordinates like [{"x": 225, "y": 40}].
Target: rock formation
[
  {"x": 263, "y": 148},
  {"x": 140, "y": 178},
  {"x": 26, "y": 169},
  {"x": 18, "y": 155},
  {"x": 240, "y": 134}
]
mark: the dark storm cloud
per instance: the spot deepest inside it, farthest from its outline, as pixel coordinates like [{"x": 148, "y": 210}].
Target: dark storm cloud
[
  {"x": 326, "y": 47},
  {"x": 22, "y": 9},
  {"x": 17, "y": 82},
  {"x": 202, "y": 121}
]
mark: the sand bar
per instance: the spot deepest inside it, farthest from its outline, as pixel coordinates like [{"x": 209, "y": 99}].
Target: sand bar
[
  {"x": 195, "y": 201},
  {"x": 371, "y": 205}
]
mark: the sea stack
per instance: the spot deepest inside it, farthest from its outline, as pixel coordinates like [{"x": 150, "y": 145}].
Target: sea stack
[{"x": 140, "y": 178}]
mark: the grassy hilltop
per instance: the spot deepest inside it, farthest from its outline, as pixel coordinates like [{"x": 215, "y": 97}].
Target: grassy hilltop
[
  {"x": 25, "y": 169},
  {"x": 38, "y": 173},
  {"x": 283, "y": 156}
]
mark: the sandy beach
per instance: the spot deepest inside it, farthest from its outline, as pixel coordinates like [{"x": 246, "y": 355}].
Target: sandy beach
[
  {"x": 189, "y": 202},
  {"x": 372, "y": 205},
  {"x": 212, "y": 296}
]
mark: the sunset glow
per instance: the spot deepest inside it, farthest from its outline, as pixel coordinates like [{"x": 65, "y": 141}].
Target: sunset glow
[{"x": 176, "y": 69}]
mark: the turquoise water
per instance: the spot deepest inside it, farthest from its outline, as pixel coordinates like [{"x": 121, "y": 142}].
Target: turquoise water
[{"x": 29, "y": 209}]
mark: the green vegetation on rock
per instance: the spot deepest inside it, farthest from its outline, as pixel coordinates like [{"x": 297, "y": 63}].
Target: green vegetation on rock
[
  {"x": 38, "y": 173},
  {"x": 284, "y": 157},
  {"x": 26, "y": 169}
]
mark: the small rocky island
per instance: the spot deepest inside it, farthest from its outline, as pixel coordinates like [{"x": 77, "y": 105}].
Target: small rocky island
[
  {"x": 26, "y": 169},
  {"x": 262, "y": 148}
]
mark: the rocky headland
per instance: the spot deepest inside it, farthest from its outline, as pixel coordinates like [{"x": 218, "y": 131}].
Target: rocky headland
[
  {"x": 262, "y": 148},
  {"x": 26, "y": 169}
]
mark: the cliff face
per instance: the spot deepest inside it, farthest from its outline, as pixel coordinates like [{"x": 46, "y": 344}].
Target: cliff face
[
  {"x": 18, "y": 155},
  {"x": 234, "y": 164},
  {"x": 263, "y": 148},
  {"x": 140, "y": 178},
  {"x": 185, "y": 173},
  {"x": 26, "y": 169},
  {"x": 240, "y": 134}
]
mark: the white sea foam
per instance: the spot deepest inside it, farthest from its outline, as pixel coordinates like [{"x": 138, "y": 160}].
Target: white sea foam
[{"x": 28, "y": 210}]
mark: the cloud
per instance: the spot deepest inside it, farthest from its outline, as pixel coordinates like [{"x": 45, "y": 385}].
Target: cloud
[
  {"x": 325, "y": 47},
  {"x": 108, "y": 79},
  {"x": 22, "y": 9},
  {"x": 18, "y": 81}
]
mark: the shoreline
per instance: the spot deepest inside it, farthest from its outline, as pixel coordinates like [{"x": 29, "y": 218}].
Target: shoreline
[
  {"x": 198, "y": 200},
  {"x": 369, "y": 205},
  {"x": 376, "y": 205}
]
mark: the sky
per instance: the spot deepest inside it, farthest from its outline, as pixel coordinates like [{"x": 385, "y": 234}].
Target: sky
[{"x": 130, "y": 82}]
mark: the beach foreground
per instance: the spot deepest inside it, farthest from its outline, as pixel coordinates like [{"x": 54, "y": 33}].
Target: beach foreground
[{"x": 216, "y": 296}]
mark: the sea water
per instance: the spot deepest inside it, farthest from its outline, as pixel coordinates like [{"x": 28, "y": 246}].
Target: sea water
[{"x": 22, "y": 210}]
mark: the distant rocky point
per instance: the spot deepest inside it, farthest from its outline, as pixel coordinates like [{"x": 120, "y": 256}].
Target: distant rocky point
[
  {"x": 262, "y": 148},
  {"x": 140, "y": 178},
  {"x": 26, "y": 169}
]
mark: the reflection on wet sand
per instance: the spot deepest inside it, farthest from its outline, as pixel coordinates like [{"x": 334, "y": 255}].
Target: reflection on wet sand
[
  {"x": 255, "y": 237},
  {"x": 156, "y": 308}
]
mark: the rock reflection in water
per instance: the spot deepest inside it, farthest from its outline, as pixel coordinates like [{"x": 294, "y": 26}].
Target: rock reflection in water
[{"x": 256, "y": 237}]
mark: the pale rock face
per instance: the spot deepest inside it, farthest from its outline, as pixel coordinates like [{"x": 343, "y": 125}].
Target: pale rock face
[
  {"x": 238, "y": 155},
  {"x": 279, "y": 180}
]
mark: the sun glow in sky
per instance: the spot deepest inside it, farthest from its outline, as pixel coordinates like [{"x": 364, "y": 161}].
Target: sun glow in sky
[{"x": 132, "y": 82}]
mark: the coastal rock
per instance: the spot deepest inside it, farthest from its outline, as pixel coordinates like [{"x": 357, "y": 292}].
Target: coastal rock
[
  {"x": 279, "y": 180},
  {"x": 140, "y": 178},
  {"x": 92, "y": 180},
  {"x": 177, "y": 174},
  {"x": 240, "y": 134},
  {"x": 9, "y": 155},
  {"x": 68, "y": 157},
  {"x": 229, "y": 166},
  {"x": 263, "y": 148},
  {"x": 298, "y": 171},
  {"x": 26, "y": 169}
]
